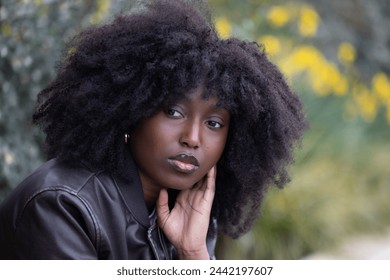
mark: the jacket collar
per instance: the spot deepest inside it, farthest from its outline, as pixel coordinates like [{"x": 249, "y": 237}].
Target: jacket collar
[{"x": 133, "y": 195}]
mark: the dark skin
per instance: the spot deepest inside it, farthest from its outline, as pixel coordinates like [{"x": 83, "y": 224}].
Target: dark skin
[{"x": 178, "y": 148}]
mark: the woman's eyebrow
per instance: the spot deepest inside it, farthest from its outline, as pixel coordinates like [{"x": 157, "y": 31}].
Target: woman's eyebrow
[{"x": 220, "y": 106}]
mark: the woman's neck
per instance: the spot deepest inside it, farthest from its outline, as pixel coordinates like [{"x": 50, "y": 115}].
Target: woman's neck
[{"x": 151, "y": 193}]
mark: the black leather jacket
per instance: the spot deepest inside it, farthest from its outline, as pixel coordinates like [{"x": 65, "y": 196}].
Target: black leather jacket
[{"x": 65, "y": 212}]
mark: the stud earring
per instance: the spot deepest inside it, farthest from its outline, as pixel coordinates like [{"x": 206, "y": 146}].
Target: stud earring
[{"x": 127, "y": 138}]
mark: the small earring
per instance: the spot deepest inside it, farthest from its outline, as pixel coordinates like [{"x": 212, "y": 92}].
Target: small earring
[{"x": 127, "y": 138}]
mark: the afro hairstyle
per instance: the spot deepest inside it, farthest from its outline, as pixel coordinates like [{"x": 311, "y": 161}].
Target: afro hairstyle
[{"x": 113, "y": 75}]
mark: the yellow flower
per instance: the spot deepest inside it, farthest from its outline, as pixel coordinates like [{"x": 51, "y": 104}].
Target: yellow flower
[
  {"x": 323, "y": 75},
  {"x": 381, "y": 87},
  {"x": 303, "y": 58},
  {"x": 271, "y": 43},
  {"x": 306, "y": 56},
  {"x": 337, "y": 82},
  {"x": 223, "y": 27},
  {"x": 319, "y": 83},
  {"x": 346, "y": 52},
  {"x": 308, "y": 21},
  {"x": 366, "y": 103},
  {"x": 278, "y": 16},
  {"x": 287, "y": 67},
  {"x": 341, "y": 86}
]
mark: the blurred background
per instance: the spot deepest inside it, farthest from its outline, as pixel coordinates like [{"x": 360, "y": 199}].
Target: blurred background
[{"x": 336, "y": 56}]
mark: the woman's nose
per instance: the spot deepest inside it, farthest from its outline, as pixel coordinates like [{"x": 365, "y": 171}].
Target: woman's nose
[{"x": 190, "y": 136}]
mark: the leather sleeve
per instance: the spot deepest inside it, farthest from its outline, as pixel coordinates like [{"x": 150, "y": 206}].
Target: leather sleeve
[{"x": 56, "y": 224}]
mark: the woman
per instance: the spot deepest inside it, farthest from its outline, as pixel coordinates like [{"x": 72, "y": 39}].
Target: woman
[{"x": 159, "y": 135}]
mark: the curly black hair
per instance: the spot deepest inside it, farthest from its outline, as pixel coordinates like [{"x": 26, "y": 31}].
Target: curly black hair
[{"x": 113, "y": 75}]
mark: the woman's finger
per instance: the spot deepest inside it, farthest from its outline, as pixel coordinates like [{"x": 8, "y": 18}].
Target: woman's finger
[
  {"x": 209, "y": 184},
  {"x": 162, "y": 207}
]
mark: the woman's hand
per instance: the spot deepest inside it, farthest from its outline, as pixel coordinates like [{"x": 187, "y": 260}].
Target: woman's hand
[{"x": 186, "y": 225}]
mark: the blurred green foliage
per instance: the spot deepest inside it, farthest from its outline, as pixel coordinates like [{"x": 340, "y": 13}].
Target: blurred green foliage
[
  {"x": 31, "y": 39},
  {"x": 340, "y": 180}
]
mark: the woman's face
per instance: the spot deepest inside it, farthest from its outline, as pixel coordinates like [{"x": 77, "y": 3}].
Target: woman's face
[{"x": 176, "y": 147}]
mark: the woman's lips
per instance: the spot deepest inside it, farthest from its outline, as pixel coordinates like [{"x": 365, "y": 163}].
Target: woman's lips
[{"x": 184, "y": 163}]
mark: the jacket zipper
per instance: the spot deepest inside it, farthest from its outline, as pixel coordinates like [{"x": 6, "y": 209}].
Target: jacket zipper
[
  {"x": 163, "y": 245},
  {"x": 152, "y": 243}
]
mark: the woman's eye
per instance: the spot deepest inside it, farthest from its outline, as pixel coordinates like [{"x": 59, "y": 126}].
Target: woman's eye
[
  {"x": 214, "y": 124},
  {"x": 173, "y": 113}
]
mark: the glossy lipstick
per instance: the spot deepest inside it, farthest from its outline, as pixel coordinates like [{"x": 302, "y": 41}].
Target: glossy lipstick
[{"x": 184, "y": 163}]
